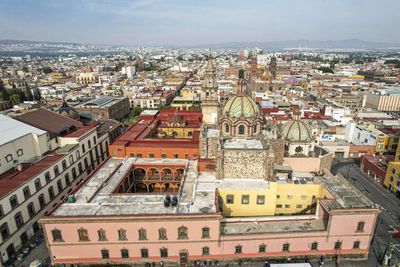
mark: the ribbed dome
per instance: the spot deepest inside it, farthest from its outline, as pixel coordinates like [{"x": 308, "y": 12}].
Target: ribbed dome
[
  {"x": 241, "y": 105},
  {"x": 296, "y": 131}
]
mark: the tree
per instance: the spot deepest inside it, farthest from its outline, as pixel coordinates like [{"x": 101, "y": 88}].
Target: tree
[
  {"x": 46, "y": 70},
  {"x": 15, "y": 99},
  {"x": 325, "y": 70}
]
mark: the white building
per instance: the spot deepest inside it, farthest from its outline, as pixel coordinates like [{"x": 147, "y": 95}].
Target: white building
[{"x": 359, "y": 134}]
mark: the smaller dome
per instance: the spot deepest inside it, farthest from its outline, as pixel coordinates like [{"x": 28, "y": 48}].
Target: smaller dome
[
  {"x": 241, "y": 105},
  {"x": 296, "y": 131},
  {"x": 68, "y": 111}
]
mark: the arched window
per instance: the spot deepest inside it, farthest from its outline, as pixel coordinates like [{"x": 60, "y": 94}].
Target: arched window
[
  {"x": 226, "y": 128},
  {"x": 241, "y": 129}
]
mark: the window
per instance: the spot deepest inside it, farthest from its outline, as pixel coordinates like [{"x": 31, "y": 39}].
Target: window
[
  {"x": 5, "y": 233},
  {"x": 356, "y": 245},
  {"x": 142, "y": 234},
  {"x": 20, "y": 152},
  {"x": 132, "y": 155},
  {"x": 1, "y": 211},
  {"x": 56, "y": 171},
  {"x": 51, "y": 192},
  {"x": 285, "y": 247},
  {"x": 38, "y": 184},
  {"x": 27, "y": 192},
  {"x": 278, "y": 196},
  {"x": 94, "y": 140},
  {"x": 151, "y": 155},
  {"x": 139, "y": 155},
  {"x": 122, "y": 234},
  {"x": 19, "y": 221},
  {"x": 226, "y": 128},
  {"x": 163, "y": 252},
  {"x": 47, "y": 177},
  {"x": 64, "y": 165},
  {"x": 261, "y": 248},
  {"x": 144, "y": 253},
  {"x": 9, "y": 158},
  {"x": 360, "y": 227},
  {"x": 206, "y": 251},
  {"x": 31, "y": 210},
  {"x": 80, "y": 168},
  {"x": 83, "y": 148},
  {"x": 83, "y": 234},
  {"x": 229, "y": 199},
  {"x": 260, "y": 199},
  {"x": 163, "y": 156},
  {"x": 176, "y": 156},
  {"x": 57, "y": 236},
  {"x": 182, "y": 232},
  {"x": 287, "y": 206},
  {"x": 238, "y": 249},
  {"x": 289, "y": 196},
  {"x": 13, "y": 201},
  {"x": 205, "y": 232},
  {"x": 245, "y": 199},
  {"x": 314, "y": 246},
  {"x": 279, "y": 206},
  {"x": 89, "y": 144},
  {"x": 303, "y": 197},
  {"x": 67, "y": 181},
  {"x": 74, "y": 173},
  {"x": 241, "y": 129},
  {"x": 124, "y": 253},
  {"x": 77, "y": 155},
  {"x": 71, "y": 159},
  {"x": 105, "y": 255},
  {"x": 162, "y": 234},
  {"x": 42, "y": 201},
  {"x": 59, "y": 186},
  {"x": 299, "y": 206},
  {"x": 338, "y": 245},
  {"x": 102, "y": 235}
]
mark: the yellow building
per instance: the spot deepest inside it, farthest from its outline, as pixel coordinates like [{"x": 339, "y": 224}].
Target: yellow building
[
  {"x": 255, "y": 197},
  {"x": 392, "y": 178},
  {"x": 188, "y": 99},
  {"x": 387, "y": 143}
]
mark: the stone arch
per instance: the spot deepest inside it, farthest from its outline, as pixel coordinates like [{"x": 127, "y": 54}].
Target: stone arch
[
  {"x": 178, "y": 174},
  {"x": 141, "y": 188},
  {"x": 153, "y": 174},
  {"x": 167, "y": 174},
  {"x": 140, "y": 174}
]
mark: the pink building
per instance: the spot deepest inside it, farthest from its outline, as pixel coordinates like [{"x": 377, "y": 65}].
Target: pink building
[{"x": 99, "y": 226}]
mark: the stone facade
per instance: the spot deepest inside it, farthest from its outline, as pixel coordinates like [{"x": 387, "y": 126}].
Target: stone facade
[{"x": 236, "y": 163}]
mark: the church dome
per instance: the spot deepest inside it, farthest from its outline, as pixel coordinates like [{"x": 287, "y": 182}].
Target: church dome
[
  {"x": 241, "y": 105},
  {"x": 68, "y": 111},
  {"x": 296, "y": 131}
]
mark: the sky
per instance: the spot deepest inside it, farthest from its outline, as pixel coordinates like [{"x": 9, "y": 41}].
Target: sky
[{"x": 192, "y": 22}]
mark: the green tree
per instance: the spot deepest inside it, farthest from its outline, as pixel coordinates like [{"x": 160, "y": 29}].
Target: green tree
[
  {"x": 15, "y": 99},
  {"x": 46, "y": 70},
  {"x": 326, "y": 70}
]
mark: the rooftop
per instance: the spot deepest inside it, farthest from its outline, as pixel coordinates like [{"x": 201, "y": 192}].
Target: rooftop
[
  {"x": 243, "y": 144},
  {"x": 96, "y": 198},
  {"x": 11, "y": 129}
]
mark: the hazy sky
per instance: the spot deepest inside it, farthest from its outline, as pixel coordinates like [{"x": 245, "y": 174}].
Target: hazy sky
[{"x": 152, "y": 22}]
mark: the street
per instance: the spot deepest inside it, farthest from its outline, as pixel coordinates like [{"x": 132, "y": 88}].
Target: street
[{"x": 388, "y": 219}]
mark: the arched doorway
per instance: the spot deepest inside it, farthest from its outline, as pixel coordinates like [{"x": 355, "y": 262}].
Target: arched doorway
[
  {"x": 167, "y": 174},
  {"x": 153, "y": 174},
  {"x": 183, "y": 257},
  {"x": 141, "y": 188},
  {"x": 140, "y": 174}
]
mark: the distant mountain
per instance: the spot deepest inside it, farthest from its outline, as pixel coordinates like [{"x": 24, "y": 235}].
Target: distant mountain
[
  {"x": 303, "y": 43},
  {"x": 28, "y": 42}
]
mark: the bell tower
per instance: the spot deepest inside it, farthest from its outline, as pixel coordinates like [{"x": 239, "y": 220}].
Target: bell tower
[{"x": 209, "y": 94}]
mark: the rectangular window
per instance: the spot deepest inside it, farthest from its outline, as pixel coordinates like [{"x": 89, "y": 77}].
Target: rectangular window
[
  {"x": 163, "y": 156},
  {"x": 38, "y": 184},
  {"x": 287, "y": 206},
  {"x": 261, "y": 248},
  {"x": 289, "y": 196},
  {"x": 314, "y": 246},
  {"x": 57, "y": 236},
  {"x": 83, "y": 235},
  {"x": 356, "y": 245},
  {"x": 83, "y": 148},
  {"x": 13, "y": 201},
  {"x": 102, "y": 235},
  {"x": 89, "y": 144},
  {"x": 164, "y": 253},
  {"x": 260, "y": 199},
  {"x": 205, "y": 232},
  {"x": 124, "y": 254},
  {"x": 47, "y": 177},
  {"x": 229, "y": 199},
  {"x": 19, "y": 221},
  {"x": 105, "y": 254},
  {"x": 299, "y": 206},
  {"x": 31, "y": 210},
  {"x": 27, "y": 192},
  {"x": 303, "y": 197},
  {"x": 122, "y": 234},
  {"x": 5, "y": 233},
  {"x": 360, "y": 227},
  {"x": 206, "y": 251},
  {"x": 132, "y": 155},
  {"x": 42, "y": 201},
  {"x": 182, "y": 232},
  {"x": 176, "y": 156},
  {"x": 144, "y": 253},
  {"x": 238, "y": 249},
  {"x": 285, "y": 247},
  {"x": 151, "y": 155},
  {"x": 51, "y": 192},
  {"x": 279, "y": 206},
  {"x": 245, "y": 199},
  {"x": 338, "y": 245},
  {"x": 139, "y": 155},
  {"x": 142, "y": 234}
]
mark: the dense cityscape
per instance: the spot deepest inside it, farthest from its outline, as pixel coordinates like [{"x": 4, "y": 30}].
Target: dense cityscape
[{"x": 273, "y": 153}]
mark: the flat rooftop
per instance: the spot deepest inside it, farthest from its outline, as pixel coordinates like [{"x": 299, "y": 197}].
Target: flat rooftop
[
  {"x": 240, "y": 184},
  {"x": 243, "y": 144},
  {"x": 96, "y": 198}
]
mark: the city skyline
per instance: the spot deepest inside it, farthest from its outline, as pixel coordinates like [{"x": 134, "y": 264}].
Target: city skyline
[{"x": 154, "y": 22}]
